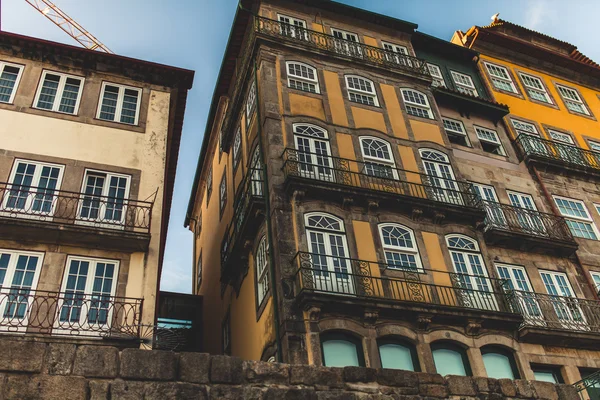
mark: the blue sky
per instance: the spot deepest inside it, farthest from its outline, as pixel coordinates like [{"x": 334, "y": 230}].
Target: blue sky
[{"x": 193, "y": 33}]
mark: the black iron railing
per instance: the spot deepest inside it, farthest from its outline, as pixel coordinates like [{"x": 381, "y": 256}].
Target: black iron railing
[
  {"x": 556, "y": 312},
  {"x": 350, "y": 277},
  {"x": 589, "y": 385},
  {"x": 534, "y": 147},
  {"x": 378, "y": 177},
  {"x": 69, "y": 313},
  {"x": 525, "y": 221},
  {"x": 62, "y": 207},
  {"x": 338, "y": 46}
]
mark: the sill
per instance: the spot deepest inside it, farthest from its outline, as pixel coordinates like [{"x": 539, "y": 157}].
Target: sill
[
  {"x": 590, "y": 116},
  {"x": 543, "y": 103},
  {"x": 57, "y": 112},
  {"x": 365, "y": 105},
  {"x": 507, "y": 92},
  {"x": 291, "y": 89},
  {"x": 116, "y": 122},
  {"x": 418, "y": 117}
]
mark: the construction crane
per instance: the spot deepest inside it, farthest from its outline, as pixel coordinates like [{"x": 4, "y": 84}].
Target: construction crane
[{"x": 68, "y": 24}]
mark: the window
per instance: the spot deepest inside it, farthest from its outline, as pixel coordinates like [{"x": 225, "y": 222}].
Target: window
[
  {"x": 535, "y": 88},
  {"x": 455, "y": 130},
  {"x": 340, "y": 350},
  {"x": 314, "y": 155},
  {"x": 262, "y": 270},
  {"x": 546, "y": 373},
  {"x": 209, "y": 184},
  {"x": 564, "y": 302},
  {"x": 119, "y": 103},
  {"x": 398, "y": 354},
  {"x": 302, "y": 77},
  {"x": 198, "y": 224},
  {"x": 440, "y": 176},
  {"x": 515, "y": 276},
  {"x": 223, "y": 192},
  {"x": 529, "y": 221},
  {"x": 292, "y": 27},
  {"x": 416, "y": 103},
  {"x": 33, "y": 188},
  {"x": 436, "y": 74},
  {"x": 400, "y": 247},
  {"x": 346, "y": 42},
  {"x": 394, "y": 53},
  {"x": 59, "y": 92},
  {"x": 561, "y": 137},
  {"x": 572, "y": 100},
  {"x": 88, "y": 286},
  {"x": 104, "y": 198},
  {"x": 10, "y": 75},
  {"x": 499, "y": 363},
  {"x": 394, "y": 48},
  {"x": 450, "y": 359},
  {"x": 361, "y": 90},
  {"x": 485, "y": 192},
  {"x": 596, "y": 278},
  {"x": 237, "y": 147},
  {"x": 593, "y": 386},
  {"x": 524, "y": 127},
  {"x": 501, "y": 78},
  {"x": 379, "y": 161},
  {"x": 464, "y": 83},
  {"x": 19, "y": 274},
  {"x": 199, "y": 272},
  {"x": 490, "y": 142},
  {"x": 577, "y": 217},
  {"x": 226, "y": 334},
  {"x": 594, "y": 146},
  {"x": 250, "y": 102}
]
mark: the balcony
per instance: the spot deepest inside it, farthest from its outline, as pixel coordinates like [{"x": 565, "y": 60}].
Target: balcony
[
  {"x": 550, "y": 153},
  {"x": 69, "y": 314},
  {"x": 248, "y": 209},
  {"x": 52, "y": 216},
  {"x": 557, "y": 320},
  {"x": 357, "y": 181},
  {"x": 348, "y": 285},
  {"x": 527, "y": 229}
]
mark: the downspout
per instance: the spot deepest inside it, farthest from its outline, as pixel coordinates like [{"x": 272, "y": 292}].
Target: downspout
[{"x": 556, "y": 211}]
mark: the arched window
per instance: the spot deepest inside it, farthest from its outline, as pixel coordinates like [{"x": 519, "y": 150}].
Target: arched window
[
  {"x": 329, "y": 253},
  {"x": 398, "y": 354},
  {"x": 341, "y": 350},
  {"x": 314, "y": 156},
  {"x": 302, "y": 77},
  {"x": 499, "y": 362},
  {"x": 261, "y": 260},
  {"x": 378, "y": 157},
  {"x": 416, "y": 103},
  {"x": 361, "y": 90},
  {"x": 450, "y": 359},
  {"x": 400, "y": 247},
  {"x": 441, "y": 176}
]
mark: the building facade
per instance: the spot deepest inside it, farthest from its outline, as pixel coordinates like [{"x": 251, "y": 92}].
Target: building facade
[
  {"x": 87, "y": 165},
  {"x": 370, "y": 207}
]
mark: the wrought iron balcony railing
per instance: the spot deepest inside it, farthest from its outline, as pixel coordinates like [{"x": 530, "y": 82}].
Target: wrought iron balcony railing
[
  {"x": 556, "y": 312},
  {"x": 317, "y": 273},
  {"x": 62, "y": 207},
  {"x": 321, "y": 41},
  {"x": 525, "y": 221},
  {"x": 590, "y": 384},
  {"x": 378, "y": 177},
  {"x": 534, "y": 147},
  {"x": 69, "y": 313}
]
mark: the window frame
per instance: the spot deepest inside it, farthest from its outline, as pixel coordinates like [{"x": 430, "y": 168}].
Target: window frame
[
  {"x": 528, "y": 88},
  {"x": 552, "y": 369},
  {"x": 361, "y": 92},
  {"x": 302, "y": 79},
  {"x": 588, "y": 220},
  {"x": 500, "y": 146},
  {"x": 199, "y": 272},
  {"x": 394, "y": 340},
  {"x": 368, "y": 159},
  {"x": 594, "y": 275},
  {"x": 260, "y": 275},
  {"x": 21, "y": 68},
  {"x": 119, "y": 106},
  {"x": 508, "y": 80},
  {"x": 395, "y": 47},
  {"x": 223, "y": 193},
  {"x": 209, "y": 184},
  {"x": 236, "y": 147},
  {"x": 569, "y": 142},
  {"x": 520, "y": 131},
  {"x": 456, "y": 133},
  {"x": 496, "y": 349},
  {"x": 414, "y": 250},
  {"x": 592, "y": 144},
  {"x": 449, "y": 345},
  {"x": 59, "y": 92},
  {"x": 294, "y": 30},
  {"x": 337, "y": 335},
  {"x": 251, "y": 99},
  {"x": 410, "y": 103},
  {"x": 436, "y": 78},
  {"x": 587, "y": 112},
  {"x": 467, "y": 88},
  {"x": 95, "y": 221}
]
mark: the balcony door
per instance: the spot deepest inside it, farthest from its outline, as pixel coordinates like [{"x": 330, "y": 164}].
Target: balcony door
[
  {"x": 474, "y": 288},
  {"x": 493, "y": 208},
  {"x": 565, "y": 304},
  {"x": 443, "y": 185},
  {"x": 19, "y": 274},
  {"x": 292, "y": 27},
  {"x": 329, "y": 253},
  {"x": 32, "y": 188},
  {"x": 346, "y": 43},
  {"x": 104, "y": 199},
  {"x": 529, "y": 220},
  {"x": 524, "y": 298},
  {"x": 314, "y": 155},
  {"x": 256, "y": 171},
  {"x": 566, "y": 149}
]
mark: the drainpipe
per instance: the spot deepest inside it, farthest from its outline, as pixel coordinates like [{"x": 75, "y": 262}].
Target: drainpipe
[{"x": 557, "y": 212}]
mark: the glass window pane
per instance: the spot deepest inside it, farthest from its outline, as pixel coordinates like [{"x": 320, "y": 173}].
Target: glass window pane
[
  {"x": 340, "y": 353},
  {"x": 545, "y": 376},
  {"x": 449, "y": 362},
  {"x": 498, "y": 366},
  {"x": 396, "y": 356}
]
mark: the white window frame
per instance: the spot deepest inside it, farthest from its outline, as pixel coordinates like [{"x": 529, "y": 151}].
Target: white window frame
[
  {"x": 397, "y": 51},
  {"x": 506, "y": 79},
  {"x": 199, "y": 272},
  {"x": 484, "y": 192},
  {"x": 532, "y": 88},
  {"x": 317, "y": 163},
  {"x": 261, "y": 261},
  {"x": 303, "y": 80},
  {"x": 3, "y": 65},
  {"x": 436, "y": 73},
  {"x": 59, "y": 92},
  {"x": 561, "y": 137},
  {"x": 105, "y": 188},
  {"x": 251, "y": 102},
  {"x": 295, "y": 27},
  {"x": 594, "y": 146},
  {"x": 480, "y": 129},
  {"x": 120, "y": 100},
  {"x": 596, "y": 279},
  {"x": 396, "y": 48},
  {"x": 237, "y": 147},
  {"x": 223, "y": 192},
  {"x": 562, "y": 89},
  {"x": 391, "y": 162},
  {"x": 519, "y": 131},
  {"x": 361, "y": 92},
  {"x": 345, "y": 35},
  {"x": 401, "y": 250},
  {"x": 451, "y": 131},
  {"x": 416, "y": 105},
  {"x": 464, "y": 83},
  {"x": 570, "y": 308},
  {"x": 584, "y": 220},
  {"x": 348, "y": 46}
]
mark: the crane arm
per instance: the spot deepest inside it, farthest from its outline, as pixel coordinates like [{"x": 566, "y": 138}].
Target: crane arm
[{"x": 68, "y": 24}]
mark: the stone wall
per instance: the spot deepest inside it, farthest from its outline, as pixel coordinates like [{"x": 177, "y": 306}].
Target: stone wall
[{"x": 32, "y": 369}]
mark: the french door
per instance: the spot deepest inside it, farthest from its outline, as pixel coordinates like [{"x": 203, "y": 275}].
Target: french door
[
  {"x": 443, "y": 184},
  {"x": 314, "y": 158},
  {"x": 347, "y": 43},
  {"x": 566, "y": 147},
  {"x": 529, "y": 220},
  {"x": 256, "y": 171},
  {"x": 292, "y": 27},
  {"x": 492, "y": 205},
  {"x": 104, "y": 199},
  {"x": 330, "y": 263},
  {"x": 518, "y": 282},
  {"x": 565, "y": 304}
]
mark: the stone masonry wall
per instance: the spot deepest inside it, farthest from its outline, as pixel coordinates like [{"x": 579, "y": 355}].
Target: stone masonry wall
[{"x": 31, "y": 369}]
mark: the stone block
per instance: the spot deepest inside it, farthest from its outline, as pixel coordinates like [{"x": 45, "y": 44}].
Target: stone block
[
  {"x": 224, "y": 369},
  {"x": 433, "y": 390},
  {"x": 544, "y": 390},
  {"x": 507, "y": 387},
  {"x": 21, "y": 355},
  {"x": 266, "y": 373},
  {"x": 337, "y": 395},
  {"x": 59, "y": 358},
  {"x": 99, "y": 390},
  {"x": 226, "y": 392},
  {"x": 20, "y": 387},
  {"x": 96, "y": 362},
  {"x": 460, "y": 385},
  {"x": 135, "y": 390},
  {"x": 155, "y": 365},
  {"x": 290, "y": 394},
  {"x": 424, "y": 377},
  {"x": 396, "y": 377},
  {"x": 314, "y": 375},
  {"x": 567, "y": 392},
  {"x": 360, "y": 374},
  {"x": 524, "y": 389},
  {"x": 481, "y": 384},
  {"x": 194, "y": 367}
]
